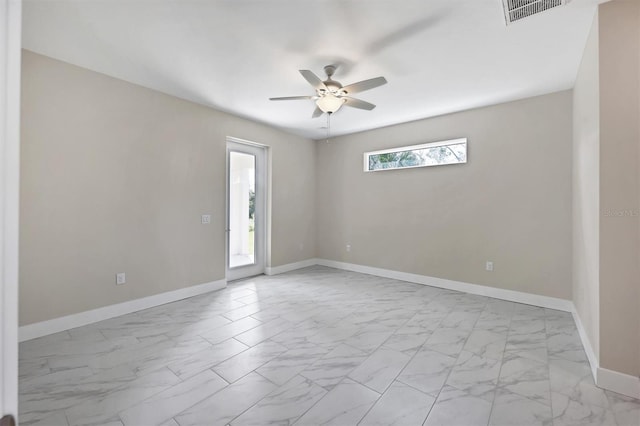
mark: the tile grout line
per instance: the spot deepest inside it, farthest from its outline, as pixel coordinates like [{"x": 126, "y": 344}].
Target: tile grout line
[
  {"x": 456, "y": 363},
  {"x": 345, "y": 377},
  {"x": 399, "y": 373},
  {"x": 493, "y": 402},
  {"x": 328, "y": 392},
  {"x": 256, "y": 403},
  {"x": 191, "y": 406},
  {"x": 546, "y": 340},
  {"x": 181, "y": 381}
]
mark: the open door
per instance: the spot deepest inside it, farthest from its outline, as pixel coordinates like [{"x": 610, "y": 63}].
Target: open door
[
  {"x": 10, "y": 33},
  {"x": 246, "y": 209}
]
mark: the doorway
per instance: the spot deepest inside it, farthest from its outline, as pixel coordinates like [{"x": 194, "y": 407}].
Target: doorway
[{"x": 246, "y": 209}]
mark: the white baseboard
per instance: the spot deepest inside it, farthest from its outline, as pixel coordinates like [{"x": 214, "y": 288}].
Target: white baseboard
[
  {"x": 481, "y": 290},
  {"x": 625, "y": 384},
  {"x": 44, "y": 328},
  {"x": 586, "y": 344},
  {"x": 614, "y": 381},
  {"x": 275, "y": 270}
]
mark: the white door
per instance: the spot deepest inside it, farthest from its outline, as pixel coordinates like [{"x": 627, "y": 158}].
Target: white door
[
  {"x": 10, "y": 31},
  {"x": 246, "y": 209}
]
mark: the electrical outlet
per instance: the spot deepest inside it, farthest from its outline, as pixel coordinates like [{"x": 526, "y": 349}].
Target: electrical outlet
[
  {"x": 206, "y": 219},
  {"x": 489, "y": 266},
  {"x": 120, "y": 278},
  {"x": 348, "y": 247}
]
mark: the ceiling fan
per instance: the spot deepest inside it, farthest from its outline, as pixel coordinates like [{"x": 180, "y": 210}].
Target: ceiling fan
[{"x": 331, "y": 95}]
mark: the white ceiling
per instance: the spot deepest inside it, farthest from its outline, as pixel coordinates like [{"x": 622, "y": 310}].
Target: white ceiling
[{"x": 439, "y": 56}]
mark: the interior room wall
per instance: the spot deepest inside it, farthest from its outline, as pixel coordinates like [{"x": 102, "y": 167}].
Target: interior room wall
[
  {"x": 619, "y": 24},
  {"x": 586, "y": 190},
  {"x": 510, "y": 204},
  {"x": 115, "y": 178}
]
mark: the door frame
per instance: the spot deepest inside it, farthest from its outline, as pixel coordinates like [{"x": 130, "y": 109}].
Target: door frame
[
  {"x": 10, "y": 68},
  {"x": 261, "y": 154}
]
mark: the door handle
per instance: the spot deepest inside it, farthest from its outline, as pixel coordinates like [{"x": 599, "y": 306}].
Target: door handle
[{"x": 8, "y": 420}]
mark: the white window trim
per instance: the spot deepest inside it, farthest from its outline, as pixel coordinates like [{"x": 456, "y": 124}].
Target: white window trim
[{"x": 413, "y": 148}]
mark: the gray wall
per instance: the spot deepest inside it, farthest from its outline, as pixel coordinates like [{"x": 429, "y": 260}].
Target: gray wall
[
  {"x": 586, "y": 190},
  {"x": 511, "y": 203},
  {"x": 619, "y": 186},
  {"x": 115, "y": 178},
  {"x": 606, "y": 187}
]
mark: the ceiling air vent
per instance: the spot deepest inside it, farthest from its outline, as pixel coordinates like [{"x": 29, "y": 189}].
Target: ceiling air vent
[{"x": 515, "y": 10}]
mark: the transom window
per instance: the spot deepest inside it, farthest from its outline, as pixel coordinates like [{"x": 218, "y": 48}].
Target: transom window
[{"x": 429, "y": 154}]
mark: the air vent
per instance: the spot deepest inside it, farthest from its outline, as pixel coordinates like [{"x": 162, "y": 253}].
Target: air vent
[{"x": 515, "y": 10}]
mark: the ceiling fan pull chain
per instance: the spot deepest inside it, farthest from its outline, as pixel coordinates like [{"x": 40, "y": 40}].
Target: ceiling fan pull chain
[{"x": 328, "y": 126}]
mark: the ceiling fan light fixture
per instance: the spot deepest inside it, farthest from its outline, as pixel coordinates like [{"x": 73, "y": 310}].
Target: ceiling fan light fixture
[{"x": 329, "y": 103}]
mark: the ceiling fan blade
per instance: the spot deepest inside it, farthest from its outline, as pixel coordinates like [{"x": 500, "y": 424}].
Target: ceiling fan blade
[
  {"x": 357, "y": 103},
  {"x": 291, "y": 98},
  {"x": 313, "y": 79},
  {"x": 316, "y": 113},
  {"x": 363, "y": 85},
  {"x": 406, "y": 33}
]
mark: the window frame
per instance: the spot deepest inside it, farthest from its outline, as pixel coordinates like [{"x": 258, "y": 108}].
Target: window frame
[{"x": 448, "y": 142}]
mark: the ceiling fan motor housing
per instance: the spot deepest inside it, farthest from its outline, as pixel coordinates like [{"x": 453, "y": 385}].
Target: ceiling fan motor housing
[
  {"x": 329, "y": 70},
  {"x": 333, "y": 86}
]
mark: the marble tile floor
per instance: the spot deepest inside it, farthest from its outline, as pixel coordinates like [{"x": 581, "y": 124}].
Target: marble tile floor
[{"x": 319, "y": 346}]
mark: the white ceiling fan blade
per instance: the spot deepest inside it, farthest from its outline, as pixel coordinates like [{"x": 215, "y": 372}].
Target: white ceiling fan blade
[
  {"x": 316, "y": 113},
  {"x": 313, "y": 79},
  {"x": 363, "y": 85},
  {"x": 357, "y": 103},
  {"x": 291, "y": 98}
]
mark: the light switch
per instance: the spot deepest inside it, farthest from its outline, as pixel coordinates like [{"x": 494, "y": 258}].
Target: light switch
[{"x": 206, "y": 219}]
